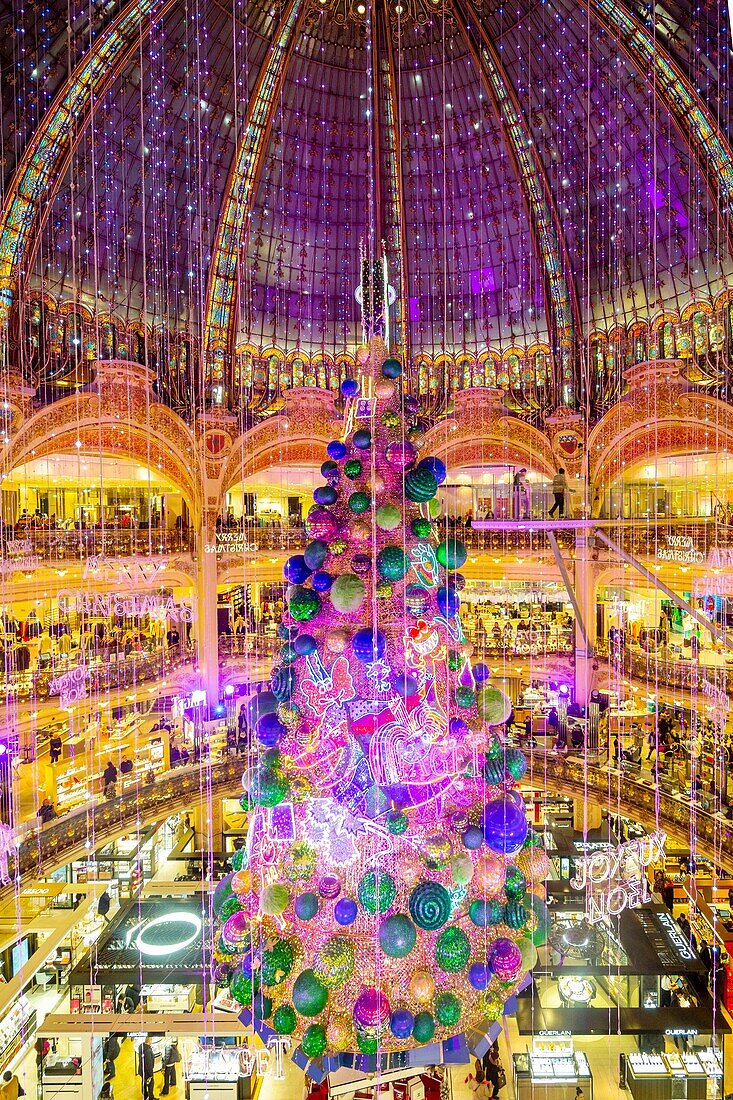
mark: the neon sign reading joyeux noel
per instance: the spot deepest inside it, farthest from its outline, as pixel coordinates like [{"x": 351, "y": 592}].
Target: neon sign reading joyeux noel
[{"x": 614, "y": 880}]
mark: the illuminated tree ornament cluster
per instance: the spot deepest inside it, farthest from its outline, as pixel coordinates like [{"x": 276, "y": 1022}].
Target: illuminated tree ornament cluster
[{"x": 390, "y": 877}]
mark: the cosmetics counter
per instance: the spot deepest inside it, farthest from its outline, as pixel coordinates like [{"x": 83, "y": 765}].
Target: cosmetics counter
[
  {"x": 551, "y": 1070},
  {"x": 695, "y": 1075}
]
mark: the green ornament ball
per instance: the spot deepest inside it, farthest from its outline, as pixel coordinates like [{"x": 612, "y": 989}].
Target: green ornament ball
[
  {"x": 239, "y": 859},
  {"x": 434, "y": 508},
  {"x": 452, "y": 950},
  {"x": 314, "y": 1040},
  {"x": 455, "y": 660},
  {"x": 424, "y": 1027},
  {"x": 275, "y": 899},
  {"x": 397, "y": 822},
  {"x": 310, "y": 995},
  {"x": 376, "y": 891},
  {"x": 465, "y": 697},
  {"x": 421, "y": 527},
  {"x": 359, "y": 503},
  {"x": 397, "y": 936},
  {"x": 515, "y": 884},
  {"x": 430, "y": 905},
  {"x": 284, "y": 1020},
  {"x": 223, "y": 895},
  {"x": 277, "y": 963},
  {"x": 493, "y": 705},
  {"x": 447, "y": 1009},
  {"x": 420, "y": 485},
  {"x": 268, "y": 787},
  {"x": 303, "y": 603},
  {"x": 335, "y": 963},
  {"x": 515, "y": 915},
  {"x": 451, "y": 553},
  {"x": 388, "y": 517},
  {"x": 243, "y": 988},
  {"x": 353, "y": 468},
  {"x": 485, "y": 914},
  {"x": 348, "y": 592},
  {"x": 366, "y": 1042},
  {"x": 392, "y": 562}
]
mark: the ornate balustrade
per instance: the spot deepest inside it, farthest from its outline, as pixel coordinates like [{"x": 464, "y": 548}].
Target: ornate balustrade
[
  {"x": 60, "y": 546},
  {"x": 40, "y": 850}
]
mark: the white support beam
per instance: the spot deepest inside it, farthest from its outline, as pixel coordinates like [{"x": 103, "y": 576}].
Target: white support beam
[{"x": 569, "y": 586}]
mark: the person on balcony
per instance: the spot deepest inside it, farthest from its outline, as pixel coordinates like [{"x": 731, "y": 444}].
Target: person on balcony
[
  {"x": 520, "y": 494},
  {"x": 559, "y": 489}
]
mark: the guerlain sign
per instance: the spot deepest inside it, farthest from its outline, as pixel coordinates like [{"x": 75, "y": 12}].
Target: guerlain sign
[{"x": 615, "y": 880}]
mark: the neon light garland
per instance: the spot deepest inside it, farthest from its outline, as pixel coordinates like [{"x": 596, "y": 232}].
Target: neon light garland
[
  {"x": 235, "y": 211},
  {"x": 40, "y": 168}
]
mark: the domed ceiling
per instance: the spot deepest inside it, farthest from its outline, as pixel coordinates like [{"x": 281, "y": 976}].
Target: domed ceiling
[{"x": 540, "y": 174}]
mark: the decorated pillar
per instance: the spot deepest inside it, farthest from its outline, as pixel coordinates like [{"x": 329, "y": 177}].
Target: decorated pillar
[{"x": 585, "y": 621}]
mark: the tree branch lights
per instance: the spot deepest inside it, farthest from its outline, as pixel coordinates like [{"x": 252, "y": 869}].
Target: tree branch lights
[
  {"x": 42, "y": 164},
  {"x": 219, "y": 322},
  {"x": 390, "y": 892}
]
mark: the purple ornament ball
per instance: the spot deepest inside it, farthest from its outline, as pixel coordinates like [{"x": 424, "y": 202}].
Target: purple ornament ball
[
  {"x": 504, "y": 959},
  {"x": 400, "y": 454},
  {"x": 371, "y": 1008},
  {"x": 321, "y": 524}
]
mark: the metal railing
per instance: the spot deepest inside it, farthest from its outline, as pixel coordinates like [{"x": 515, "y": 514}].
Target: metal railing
[
  {"x": 107, "y": 672},
  {"x": 40, "y": 849},
  {"x": 55, "y": 545}
]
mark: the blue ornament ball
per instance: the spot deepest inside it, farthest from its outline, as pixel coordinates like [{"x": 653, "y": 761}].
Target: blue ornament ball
[
  {"x": 306, "y": 906},
  {"x": 449, "y": 602},
  {"x": 392, "y": 368},
  {"x": 505, "y": 825},
  {"x": 472, "y": 838},
  {"x": 436, "y": 466},
  {"x": 481, "y": 672},
  {"x": 305, "y": 644},
  {"x": 283, "y": 683},
  {"x": 368, "y": 645},
  {"x": 325, "y": 494},
  {"x": 264, "y": 702},
  {"x": 270, "y": 730},
  {"x": 349, "y": 387},
  {"x": 479, "y": 975},
  {"x": 401, "y": 1023},
  {"x": 458, "y": 727},
  {"x": 362, "y": 439},
  {"x": 329, "y": 469},
  {"x": 345, "y": 911},
  {"x": 315, "y": 553},
  {"x": 296, "y": 569},
  {"x": 406, "y": 685},
  {"x": 322, "y": 581},
  {"x": 336, "y": 450}
]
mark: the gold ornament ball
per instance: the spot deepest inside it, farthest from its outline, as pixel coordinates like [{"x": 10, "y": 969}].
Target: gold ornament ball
[
  {"x": 362, "y": 355},
  {"x": 467, "y": 649},
  {"x": 384, "y": 389},
  {"x": 337, "y": 640},
  {"x": 490, "y": 875},
  {"x": 339, "y": 1031},
  {"x": 422, "y": 986},
  {"x": 361, "y": 531},
  {"x": 376, "y": 484}
]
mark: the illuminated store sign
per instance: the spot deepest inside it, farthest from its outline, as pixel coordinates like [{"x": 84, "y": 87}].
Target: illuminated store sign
[
  {"x": 614, "y": 880},
  {"x": 676, "y": 936},
  {"x": 124, "y": 605},
  {"x": 231, "y": 542},
  {"x": 190, "y": 926},
  {"x": 71, "y": 686},
  {"x": 679, "y": 548}
]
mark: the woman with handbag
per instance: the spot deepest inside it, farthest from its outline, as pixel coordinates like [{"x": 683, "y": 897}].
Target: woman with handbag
[
  {"x": 495, "y": 1075},
  {"x": 171, "y": 1056}
]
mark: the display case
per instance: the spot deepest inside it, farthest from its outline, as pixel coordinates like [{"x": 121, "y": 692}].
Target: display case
[
  {"x": 17, "y": 1025},
  {"x": 550, "y": 1068},
  {"x": 169, "y": 998},
  {"x": 658, "y": 1076},
  {"x": 218, "y": 1074}
]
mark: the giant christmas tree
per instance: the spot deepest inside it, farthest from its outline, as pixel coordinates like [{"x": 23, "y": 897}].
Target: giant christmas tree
[{"x": 389, "y": 894}]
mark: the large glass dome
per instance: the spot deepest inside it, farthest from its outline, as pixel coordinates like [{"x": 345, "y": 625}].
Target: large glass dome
[{"x": 543, "y": 170}]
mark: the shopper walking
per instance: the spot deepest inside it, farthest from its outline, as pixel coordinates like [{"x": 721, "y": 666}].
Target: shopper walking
[
  {"x": 10, "y": 1087},
  {"x": 145, "y": 1068},
  {"x": 559, "y": 489},
  {"x": 171, "y": 1056}
]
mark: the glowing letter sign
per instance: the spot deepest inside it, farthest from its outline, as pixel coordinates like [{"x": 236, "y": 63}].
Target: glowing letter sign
[{"x": 614, "y": 880}]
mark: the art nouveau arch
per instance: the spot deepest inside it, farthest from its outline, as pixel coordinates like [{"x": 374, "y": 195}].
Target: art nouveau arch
[
  {"x": 659, "y": 417},
  {"x": 481, "y": 432},
  {"x": 147, "y": 433}
]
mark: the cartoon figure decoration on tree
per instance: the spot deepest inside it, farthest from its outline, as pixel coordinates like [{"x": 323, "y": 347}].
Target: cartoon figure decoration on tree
[{"x": 390, "y": 892}]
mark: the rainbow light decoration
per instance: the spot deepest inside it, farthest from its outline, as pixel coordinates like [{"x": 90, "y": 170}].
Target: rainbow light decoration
[{"x": 390, "y": 893}]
